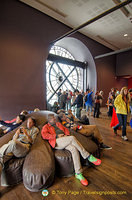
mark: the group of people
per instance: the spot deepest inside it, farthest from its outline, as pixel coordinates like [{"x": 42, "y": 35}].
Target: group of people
[
  {"x": 78, "y": 100},
  {"x": 59, "y": 136},
  {"x": 58, "y": 133}
]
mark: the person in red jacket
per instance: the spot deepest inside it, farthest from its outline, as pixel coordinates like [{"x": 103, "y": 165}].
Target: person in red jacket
[{"x": 59, "y": 138}]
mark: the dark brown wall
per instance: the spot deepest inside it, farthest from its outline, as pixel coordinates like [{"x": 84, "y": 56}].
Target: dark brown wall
[
  {"x": 106, "y": 76},
  {"x": 124, "y": 63},
  {"x": 25, "y": 36}
]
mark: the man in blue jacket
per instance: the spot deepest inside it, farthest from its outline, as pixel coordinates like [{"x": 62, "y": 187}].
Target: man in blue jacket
[{"x": 89, "y": 101}]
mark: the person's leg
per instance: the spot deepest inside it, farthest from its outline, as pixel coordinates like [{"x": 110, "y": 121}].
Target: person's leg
[
  {"x": 63, "y": 142},
  {"x": 98, "y": 110},
  {"x": 131, "y": 110},
  {"x": 88, "y": 130},
  {"x": 78, "y": 113},
  {"x": 80, "y": 109},
  {"x": 95, "y": 107},
  {"x": 87, "y": 107},
  {"x": 119, "y": 116},
  {"x": 75, "y": 157},
  {"x": 77, "y": 164},
  {"x": 91, "y": 109},
  {"x": 15, "y": 148},
  {"x": 124, "y": 120}
]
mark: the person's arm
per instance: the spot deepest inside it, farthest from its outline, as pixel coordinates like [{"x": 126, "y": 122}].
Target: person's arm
[
  {"x": 46, "y": 134},
  {"x": 76, "y": 101},
  {"x": 35, "y": 133},
  {"x": 117, "y": 101},
  {"x": 16, "y": 135},
  {"x": 24, "y": 131}
]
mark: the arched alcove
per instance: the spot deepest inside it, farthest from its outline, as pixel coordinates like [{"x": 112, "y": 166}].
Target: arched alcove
[{"x": 81, "y": 53}]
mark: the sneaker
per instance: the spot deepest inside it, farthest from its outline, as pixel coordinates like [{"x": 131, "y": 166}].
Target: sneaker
[
  {"x": 82, "y": 179},
  {"x": 104, "y": 146},
  {"x": 94, "y": 160},
  {"x": 124, "y": 138}
]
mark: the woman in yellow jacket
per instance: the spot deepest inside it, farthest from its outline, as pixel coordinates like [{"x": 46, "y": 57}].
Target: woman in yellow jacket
[{"x": 121, "y": 104}]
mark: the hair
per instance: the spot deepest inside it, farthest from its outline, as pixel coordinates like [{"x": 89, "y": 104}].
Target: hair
[
  {"x": 22, "y": 117},
  {"x": 34, "y": 120},
  {"x": 122, "y": 93},
  {"x": 36, "y": 109},
  {"x": 60, "y": 110},
  {"x": 50, "y": 116},
  {"x": 24, "y": 112},
  {"x": 61, "y": 115},
  {"x": 76, "y": 90},
  {"x": 130, "y": 90}
]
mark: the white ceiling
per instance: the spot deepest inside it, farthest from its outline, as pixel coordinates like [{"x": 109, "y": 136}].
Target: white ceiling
[{"x": 108, "y": 30}]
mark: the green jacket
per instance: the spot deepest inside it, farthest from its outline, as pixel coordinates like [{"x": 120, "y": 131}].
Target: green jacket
[{"x": 120, "y": 105}]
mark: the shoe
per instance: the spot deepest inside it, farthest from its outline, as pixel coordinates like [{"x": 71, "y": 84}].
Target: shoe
[
  {"x": 82, "y": 179},
  {"x": 104, "y": 146},
  {"x": 115, "y": 131},
  {"x": 94, "y": 160},
  {"x": 124, "y": 138}
]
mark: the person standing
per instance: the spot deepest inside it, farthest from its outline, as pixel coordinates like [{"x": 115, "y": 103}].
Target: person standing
[
  {"x": 121, "y": 104},
  {"x": 89, "y": 101},
  {"x": 62, "y": 100},
  {"x": 97, "y": 105},
  {"x": 59, "y": 94},
  {"x": 79, "y": 103}
]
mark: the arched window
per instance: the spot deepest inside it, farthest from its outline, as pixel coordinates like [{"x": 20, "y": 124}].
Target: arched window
[{"x": 61, "y": 76}]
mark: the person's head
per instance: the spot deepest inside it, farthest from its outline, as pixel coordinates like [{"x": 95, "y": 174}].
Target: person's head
[
  {"x": 20, "y": 118},
  {"x": 69, "y": 111},
  {"x": 124, "y": 91},
  {"x": 55, "y": 103},
  {"x": 24, "y": 112},
  {"x": 51, "y": 119},
  {"x": 60, "y": 110},
  {"x": 76, "y": 91},
  {"x": 112, "y": 89},
  {"x": 101, "y": 92},
  {"x": 130, "y": 90},
  {"x": 31, "y": 122},
  {"x": 36, "y": 109},
  {"x": 62, "y": 116}
]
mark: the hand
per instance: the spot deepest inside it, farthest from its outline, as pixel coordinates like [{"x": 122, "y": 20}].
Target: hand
[
  {"x": 60, "y": 135},
  {"x": 74, "y": 127}
]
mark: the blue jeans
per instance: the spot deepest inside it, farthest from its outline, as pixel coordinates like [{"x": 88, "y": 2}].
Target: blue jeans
[
  {"x": 88, "y": 106},
  {"x": 122, "y": 122},
  {"x": 78, "y": 112},
  {"x": 131, "y": 109}
]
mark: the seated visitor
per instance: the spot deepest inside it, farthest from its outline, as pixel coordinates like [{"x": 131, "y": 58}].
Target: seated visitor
[
  {"x": 11, "y": 126},
  {"x": 86, "y": 130},
  {"x": 59, "y": 138},
  {"x": 20, "y": 144}
]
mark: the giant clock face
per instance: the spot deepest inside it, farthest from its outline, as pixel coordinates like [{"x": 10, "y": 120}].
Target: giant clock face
[{"x": 61, "y": 76}]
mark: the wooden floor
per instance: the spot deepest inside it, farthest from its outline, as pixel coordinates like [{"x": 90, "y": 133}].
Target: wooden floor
[{"x": 110, "y": 181}]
